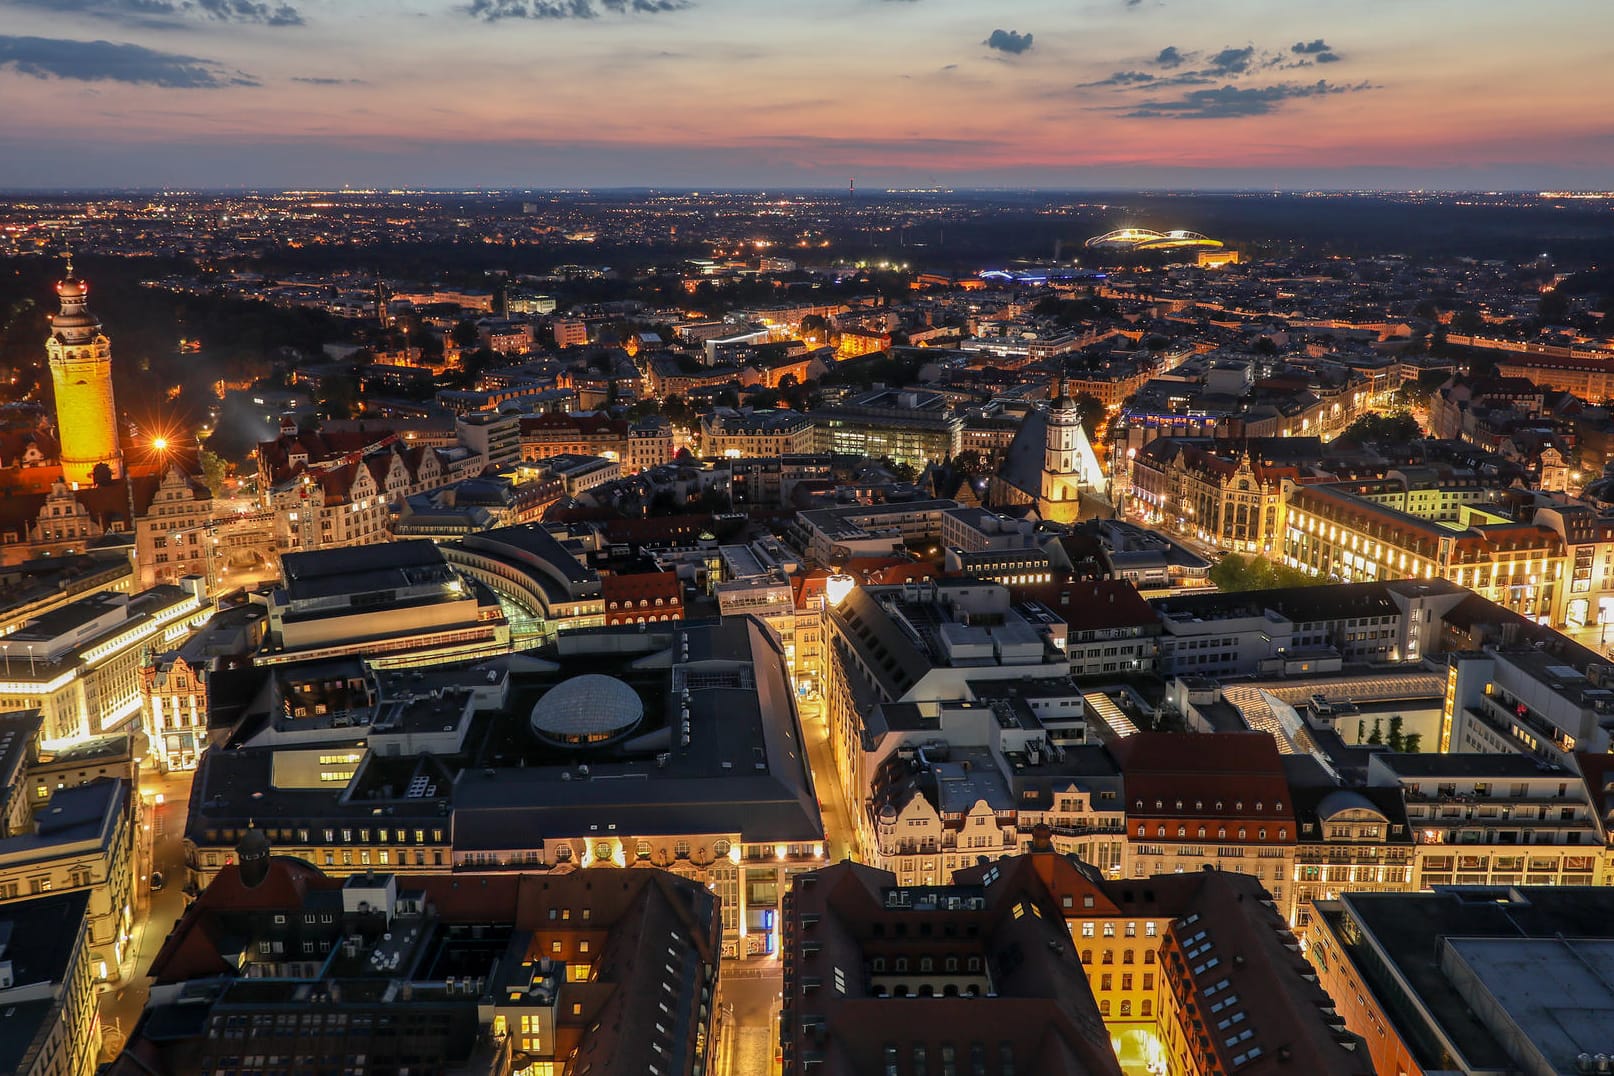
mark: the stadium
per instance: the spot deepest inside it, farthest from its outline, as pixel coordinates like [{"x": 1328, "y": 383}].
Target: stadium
[{"x": 1145, "y": 239}]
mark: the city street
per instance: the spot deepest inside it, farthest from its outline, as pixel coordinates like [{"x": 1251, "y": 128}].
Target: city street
[
  {"x": 750, "y": 991},
  {"x": 840, "y": 837},
  {"x": 160, "y": 846}
]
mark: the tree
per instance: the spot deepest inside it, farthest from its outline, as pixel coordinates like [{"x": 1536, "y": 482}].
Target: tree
[
  {"x": 465, "y": 334},
  {"x": 970, "y": 462},
  {"x": 677, "y": 410},
  {"x": 1235, "y": 573},
  {"x": 101, "y": 474},
  {"x": 1393, "y": 428},
  {"x": 1090, "y": 409},
  {"x": 1413, "y": 743},
  {"x": 814, "y": 328},
  {"x": 215, "y": 470},
  {"x": 1376, "y": 737},
  {"x": 902, "y": 472},
  {"x": 1395, "y": 739}
]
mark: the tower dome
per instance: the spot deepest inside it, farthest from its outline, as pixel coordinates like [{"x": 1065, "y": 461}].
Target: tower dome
[{"x": 253, "y": 856}]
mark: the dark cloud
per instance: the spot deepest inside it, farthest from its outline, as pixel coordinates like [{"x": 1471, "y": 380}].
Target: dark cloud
[
  {"x": 1232, "y": 61},
  {"x": 495, "y": 10},
  {"x": 1318, "y": 51},
  {"x": 1170, "y": 56},
  {"x": 1232, "y": 102},
  {"x": 107, "y": 61},
  {"x": 1125, "y": 78},
  {"x": 167, "y": 13},
  {"x": 1010, "y": 41}
]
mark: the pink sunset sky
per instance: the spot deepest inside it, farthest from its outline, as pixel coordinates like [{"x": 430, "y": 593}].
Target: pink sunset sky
[{"x": 805, "y": 93}]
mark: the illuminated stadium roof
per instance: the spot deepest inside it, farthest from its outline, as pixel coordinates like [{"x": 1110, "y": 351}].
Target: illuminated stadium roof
[{"x": 1149, "y": 239}]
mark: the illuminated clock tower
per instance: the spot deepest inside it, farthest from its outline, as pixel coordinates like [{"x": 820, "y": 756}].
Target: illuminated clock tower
[{"x": 81, "y": 367}]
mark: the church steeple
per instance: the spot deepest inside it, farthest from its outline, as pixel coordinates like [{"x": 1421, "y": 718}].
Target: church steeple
[{"x": 81, "y": 369}]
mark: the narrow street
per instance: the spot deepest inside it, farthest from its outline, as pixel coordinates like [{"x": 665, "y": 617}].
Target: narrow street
[
  {"x": 160, "y": 847},
  {"x": 840, "y": 836}
]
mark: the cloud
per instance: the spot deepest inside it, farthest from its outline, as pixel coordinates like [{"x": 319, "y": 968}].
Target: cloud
[
  {"x": 313, "y": 80},
  {"x": 1233, "y": 102},
  {"x": 1319, "y": 51},
  {"x": 1009, "y": 41},
  {"x": 107, "y": 61},
  {"x": 169, "y": 13},
  {"x": 1125, "y": 78},
  {"x": 1232, "y": 61},
  {"x": 495, "y": 10},
  {"x": 1170, "y": 56}
]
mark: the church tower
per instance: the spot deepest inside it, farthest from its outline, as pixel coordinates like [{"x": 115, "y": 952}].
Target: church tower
[
  {"x": 1061, "y": 459},
  {"x": 81, "y": 367}
]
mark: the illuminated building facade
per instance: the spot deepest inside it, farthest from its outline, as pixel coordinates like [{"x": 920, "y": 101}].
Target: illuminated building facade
[
  {"x": 48, "y": 997},
  {"x": 171, "y": 538},
  {"x": 1194, "y": 973},
  {"x": 736, "y": 434},
  {"x": 1232, "y": 498},
  {"x": 82, "y": 839},
  {"x": 1495, "y": 819},
  {"x": 1199, "y": 802},
  {"x": 81, "y": 370},
  {"x": 1332, "y": 532},
  {"x": 907, "y": 426},
  {"x": 399, "y": 603},
  {"x": 79, "y": 665}
]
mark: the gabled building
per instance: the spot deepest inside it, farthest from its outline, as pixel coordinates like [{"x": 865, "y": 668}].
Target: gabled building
[
  {"x": 1218, "y": 800},
  {"x": 501, "y": 974}
]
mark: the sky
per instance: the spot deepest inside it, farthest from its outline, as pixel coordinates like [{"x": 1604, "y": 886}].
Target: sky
[{"x": 1293, "y": 94}]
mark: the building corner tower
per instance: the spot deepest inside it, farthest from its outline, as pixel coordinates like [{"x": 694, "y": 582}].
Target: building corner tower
[{"x": 81, "y": 369}]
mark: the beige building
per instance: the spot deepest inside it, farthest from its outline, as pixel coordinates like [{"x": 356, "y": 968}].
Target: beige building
[
  {"x": 735, "y": 434},
  {"x": 79, "y": 665},
  {"x": 82, "y": 839},
  {"x": 1224, "y": 494},
  {"x": 1495, "y": 819},
  {"x": 47, "y": 991},
  {"x": 171, "y": 538}
]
